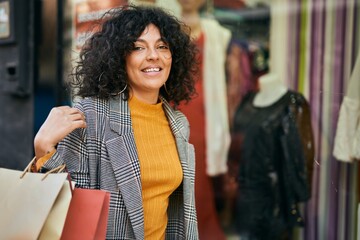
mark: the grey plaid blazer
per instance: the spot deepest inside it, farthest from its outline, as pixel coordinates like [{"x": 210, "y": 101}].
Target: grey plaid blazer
[{"x": 104, "y": 156}]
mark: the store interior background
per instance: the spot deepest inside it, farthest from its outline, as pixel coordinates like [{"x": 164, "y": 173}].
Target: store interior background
[{"x": 312, "y": 45}]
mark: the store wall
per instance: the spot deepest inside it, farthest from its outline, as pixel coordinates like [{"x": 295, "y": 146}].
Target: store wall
[{"x": 17, "y": 74}]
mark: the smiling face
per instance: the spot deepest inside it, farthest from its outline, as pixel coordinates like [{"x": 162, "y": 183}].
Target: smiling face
[{"x": 148, "y": 65}]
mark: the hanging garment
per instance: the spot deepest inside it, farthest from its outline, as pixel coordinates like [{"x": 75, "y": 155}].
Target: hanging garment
[
  {"x": 216, "y": 42},
  {"x": 347, "y": 139}
]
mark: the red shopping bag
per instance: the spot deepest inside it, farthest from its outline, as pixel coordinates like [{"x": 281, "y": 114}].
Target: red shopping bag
[{"x": 87, "y": 215}]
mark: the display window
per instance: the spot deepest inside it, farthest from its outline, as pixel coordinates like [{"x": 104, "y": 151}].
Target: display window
[{"x": 276, "y": 124}]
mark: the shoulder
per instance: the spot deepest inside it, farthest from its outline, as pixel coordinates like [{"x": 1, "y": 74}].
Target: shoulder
[
  {"x": 92, "y": 105},
  {"x": 177, "y": 120},
  {"x": 297, "y": 98},
  {"x": 176, "y": 115},
  {"x": 183, "y": 122},
  {"x": 180, "y": 117}
]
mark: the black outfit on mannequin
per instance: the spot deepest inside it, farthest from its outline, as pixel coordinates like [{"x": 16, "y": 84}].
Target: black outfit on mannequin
[{"x": 269, "y": 162}]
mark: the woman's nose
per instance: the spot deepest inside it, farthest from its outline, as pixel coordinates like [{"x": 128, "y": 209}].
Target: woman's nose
[{"x": 152, "y": 54}]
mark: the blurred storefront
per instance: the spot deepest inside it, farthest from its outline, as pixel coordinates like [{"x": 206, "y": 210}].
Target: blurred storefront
[{"x": 311, "y": 46}]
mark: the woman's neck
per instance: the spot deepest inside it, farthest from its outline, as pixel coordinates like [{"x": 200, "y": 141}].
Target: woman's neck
[{"x": 152, "y": 98}]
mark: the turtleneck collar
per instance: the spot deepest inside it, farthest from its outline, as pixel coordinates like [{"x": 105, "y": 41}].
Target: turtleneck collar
[{"x": 145, "y": 108}]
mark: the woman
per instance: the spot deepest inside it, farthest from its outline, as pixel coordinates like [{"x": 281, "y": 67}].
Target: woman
[{"x": 124, "y": 136}]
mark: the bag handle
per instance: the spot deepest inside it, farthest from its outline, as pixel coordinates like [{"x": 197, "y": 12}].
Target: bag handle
[
  {"x": 28, "y": 167},
  {"x": 57, "y": 170}
]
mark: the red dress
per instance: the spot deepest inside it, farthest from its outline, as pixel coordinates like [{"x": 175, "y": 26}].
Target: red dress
[{"x": 208, "y": 222}]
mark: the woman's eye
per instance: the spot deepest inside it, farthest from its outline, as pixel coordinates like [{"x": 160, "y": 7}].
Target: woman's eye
[
  {"x": 163, "y": 47},
  {"x": 137, "y": 48}
]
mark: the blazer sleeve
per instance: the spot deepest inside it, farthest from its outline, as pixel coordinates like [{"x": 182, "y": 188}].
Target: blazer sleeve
[{"x": 72, "y": 151}]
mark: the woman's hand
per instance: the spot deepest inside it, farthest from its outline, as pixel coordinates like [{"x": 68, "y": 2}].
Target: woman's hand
[{"x": 60, "y": 122}]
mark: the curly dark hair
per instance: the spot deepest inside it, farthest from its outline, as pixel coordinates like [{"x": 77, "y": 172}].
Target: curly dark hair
[{"x": 101, "y": 70}]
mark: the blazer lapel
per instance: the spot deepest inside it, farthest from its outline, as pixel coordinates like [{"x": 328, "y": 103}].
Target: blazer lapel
[
  {"x": 124, "y": 159},
  {"x": 177, "y": 128},
  {"x": 181, "y": 134},
  {"x": 186, "y": 153}
]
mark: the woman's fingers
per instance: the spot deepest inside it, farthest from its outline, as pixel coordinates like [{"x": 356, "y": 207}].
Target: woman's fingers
[
  {"x": 70, "y": 110},
  {"x": 75, "y": 116},
  {"x": 80, "y": 123},
  {"x": 60, "y": 122},
  {"x": 65, "y": 119}
]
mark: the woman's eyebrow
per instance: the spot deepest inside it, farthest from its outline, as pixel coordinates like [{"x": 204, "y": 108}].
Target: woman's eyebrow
[{"x": 144, "y": 41}]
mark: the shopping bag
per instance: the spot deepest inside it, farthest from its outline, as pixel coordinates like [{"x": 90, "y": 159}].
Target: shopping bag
[
  {"x": 87, "y": 215},
  {"x": 33, "y": 205},
  {"x": 55, "y": 221}
]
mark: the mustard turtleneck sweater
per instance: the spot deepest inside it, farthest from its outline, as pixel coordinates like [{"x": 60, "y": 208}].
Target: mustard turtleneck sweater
[{"x": 160, "y": 167}]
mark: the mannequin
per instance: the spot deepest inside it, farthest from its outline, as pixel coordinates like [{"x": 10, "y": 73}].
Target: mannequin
[
  {"x": 271, "y": 90},
  {"x": 271, "y": 159},
  {"x": 207, "y": 114}
]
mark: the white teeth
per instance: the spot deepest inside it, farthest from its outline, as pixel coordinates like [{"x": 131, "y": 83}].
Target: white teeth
[{"x": 152, "y": 70}]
